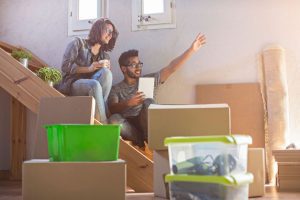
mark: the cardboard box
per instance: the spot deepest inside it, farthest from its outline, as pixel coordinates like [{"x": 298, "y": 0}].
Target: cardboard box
[
  {"x": 161, "y": 168},
  {"x": 288, "y": 176},
  {"x": 289, "y": 183},
  {"x": 246, "y": 107},
  {"x": 287, "y": 155},
  {"x": 73, "y": 180},
  {"x": 186, "y": 120},
  {"x": 288, "y": 169},
  {"x": 60, "y": 110},
  {"x": 256, "y": 166}
]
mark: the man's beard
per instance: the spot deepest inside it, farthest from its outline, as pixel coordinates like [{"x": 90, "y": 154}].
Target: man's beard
[{"x": 132, "y": 75}]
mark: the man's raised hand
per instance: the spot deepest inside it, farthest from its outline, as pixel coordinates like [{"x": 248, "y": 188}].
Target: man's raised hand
[{"x": 198, "y": 42}]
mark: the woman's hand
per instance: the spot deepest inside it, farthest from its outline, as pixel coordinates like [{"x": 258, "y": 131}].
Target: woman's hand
[
  {"x": 105, "y": 63},
  {"x": 97, "y": 65},
  {"x": 94, "y": 66}
]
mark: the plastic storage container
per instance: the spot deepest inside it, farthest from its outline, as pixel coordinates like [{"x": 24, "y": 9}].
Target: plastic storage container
[
  {"x": 195, "y": 187},
  {"x": 78, "y": 142},
  {"x": 208, "y": 155}
]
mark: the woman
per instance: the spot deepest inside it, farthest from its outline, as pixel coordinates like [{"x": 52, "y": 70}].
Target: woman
[{"x": 86, "y": 65}]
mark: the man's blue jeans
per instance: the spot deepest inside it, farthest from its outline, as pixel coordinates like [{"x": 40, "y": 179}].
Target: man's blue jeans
[
  {"x": 134, "y": 128},
  {"x": 99, "y": 87}
]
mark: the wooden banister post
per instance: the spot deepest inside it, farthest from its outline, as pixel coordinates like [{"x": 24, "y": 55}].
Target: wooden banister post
[{"x": 18, "y": 139}]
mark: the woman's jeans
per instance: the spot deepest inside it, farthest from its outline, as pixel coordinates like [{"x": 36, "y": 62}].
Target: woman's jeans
[{"x": 99, "y": 87}]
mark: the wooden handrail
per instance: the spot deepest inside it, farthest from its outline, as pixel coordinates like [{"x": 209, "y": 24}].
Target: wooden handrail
[{"x": 34, "y": 64}]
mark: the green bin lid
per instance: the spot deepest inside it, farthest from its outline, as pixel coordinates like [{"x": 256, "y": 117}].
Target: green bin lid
[
  {"x": 227, "y": 139},
  {"x": 230, "y": 180},
  {"x": 80, "y": 125}
]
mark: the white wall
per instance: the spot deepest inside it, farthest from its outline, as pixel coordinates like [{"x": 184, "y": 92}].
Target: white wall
[{"x": 236, "y": 33}]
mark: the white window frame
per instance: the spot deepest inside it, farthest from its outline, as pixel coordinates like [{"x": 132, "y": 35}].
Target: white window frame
[
  {"x": 82, "y": 27},
  {"x": 153, "y": 21}
]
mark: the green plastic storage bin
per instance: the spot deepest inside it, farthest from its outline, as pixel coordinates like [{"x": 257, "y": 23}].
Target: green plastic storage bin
[{"x": 81, "y": 142}]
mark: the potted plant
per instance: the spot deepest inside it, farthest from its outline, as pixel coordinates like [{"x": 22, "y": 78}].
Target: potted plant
[
  {"x": 22, "y": 56},
  {"x": 51, "y": 75}
]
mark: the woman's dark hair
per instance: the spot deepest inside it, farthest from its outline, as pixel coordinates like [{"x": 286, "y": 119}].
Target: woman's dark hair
[
  {"x": 96, "y": 32},
  {"x": 123, "y": 59}
]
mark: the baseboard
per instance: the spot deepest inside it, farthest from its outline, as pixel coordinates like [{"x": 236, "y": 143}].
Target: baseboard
[{"x": 4, "y": 174}]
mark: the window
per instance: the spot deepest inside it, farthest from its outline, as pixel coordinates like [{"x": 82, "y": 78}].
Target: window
[
  {"x": 153, "y": 14},
  {"x": 82, "y": 13}
]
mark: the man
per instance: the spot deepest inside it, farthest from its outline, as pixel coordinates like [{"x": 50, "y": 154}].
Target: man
[{"x": 128, "y": 106}]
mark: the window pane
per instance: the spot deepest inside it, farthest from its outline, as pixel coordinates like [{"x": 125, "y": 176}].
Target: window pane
[
  {"x": 88, "y": 9},
  {"x": 153, "y": 6}
]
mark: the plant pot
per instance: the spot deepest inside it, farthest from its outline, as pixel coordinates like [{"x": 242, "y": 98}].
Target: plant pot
[
  {"x": 50, "y": 83},
  {"x": 24, "y": 62}
]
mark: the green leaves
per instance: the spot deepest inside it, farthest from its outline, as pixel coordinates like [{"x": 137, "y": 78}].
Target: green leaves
[
  {"x": 49, "y": 74},
  {"x": 20, "y": 54}
]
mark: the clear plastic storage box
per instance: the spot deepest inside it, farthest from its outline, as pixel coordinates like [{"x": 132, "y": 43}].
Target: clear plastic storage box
[
  {"x": 208, "y": 155},
  {"x": 195, "y": 187}
]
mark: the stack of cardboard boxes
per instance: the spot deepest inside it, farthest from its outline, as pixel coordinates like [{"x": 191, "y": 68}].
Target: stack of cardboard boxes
[{"x": 288, "y": 176}]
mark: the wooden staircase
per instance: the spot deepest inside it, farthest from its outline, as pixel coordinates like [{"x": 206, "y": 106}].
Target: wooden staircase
[
  {"x": 34, "y": 64},
  {"x": 25, "y": 87}
]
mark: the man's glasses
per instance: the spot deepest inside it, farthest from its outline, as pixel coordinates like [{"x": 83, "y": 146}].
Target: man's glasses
[{"x": 135, "y": 65}]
